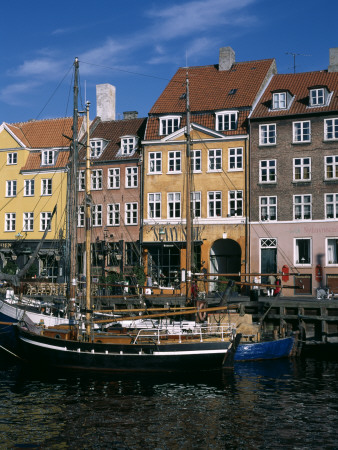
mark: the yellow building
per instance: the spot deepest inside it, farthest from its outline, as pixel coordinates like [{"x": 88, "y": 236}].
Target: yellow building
[
  {"x": 33, "y": 192},
  {"x": 219, "y": 98}
]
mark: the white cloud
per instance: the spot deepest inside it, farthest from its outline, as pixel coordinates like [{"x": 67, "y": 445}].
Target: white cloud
[
  {"x": 46, "y": 67},
  {"x": 13, "y": 94}
]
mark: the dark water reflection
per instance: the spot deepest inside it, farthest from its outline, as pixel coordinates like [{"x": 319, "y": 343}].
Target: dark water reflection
[{"x": 280, "y": 404}]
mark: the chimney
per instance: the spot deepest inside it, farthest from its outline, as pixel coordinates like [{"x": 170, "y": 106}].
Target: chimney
[
  {"x": 333, "y": 67},
  {"x": 226, "y": 58},
  {"x": 130, "y": 115},
  {"x": 105, "y": 101}
]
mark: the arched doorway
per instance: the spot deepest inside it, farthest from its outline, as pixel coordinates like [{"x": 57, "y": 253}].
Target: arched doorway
[{"x": 225, "y": 257}]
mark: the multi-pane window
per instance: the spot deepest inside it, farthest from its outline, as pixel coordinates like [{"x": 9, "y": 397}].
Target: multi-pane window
[
  {"x": 174, "y": 205},
  {"x": 12, "y": 158},
  {"x": 317, "y": 97},
  {"x": 267, "y": 208},
  {"x": 131, "y": 213},
  {"x": 96, "y": 147},
  {"x": 331, "y": 167},
  {"x": 331, "y": 206},
  {"x": 267, "y": 171},
  {"x": 169, "y": 124},
  {"x": 155, "y": 162},
  {"x": 128, "y": 144},
  {"x": 48, "y": 157},
  {"x": 96, "y": 179},
  {"x": 131, "y": 177},
  {"x": 302, "y": 207},
  {"x": 226, "y": 121},
  {"x": 267, "y": 134},
  {"x": 10, "y": 219},
  {"x": 81, "y": 216},
  {"x": 28, "y": 188},
  {"x": 302, "y": 131},
  {"x": 174, "y": 161},
  {"x": 279, "y": 100},
  {"x": 46, "y": 186},
  {"x": 236, "y": 158},
  {"x": 214, "y": 204},
  {"x": 154, "y": 205},
  {"x": 215, "y": 159},
  {"x": 302, "y": 251},
  {"x": 97, "y": 215},
  {"x": 113, "y": 214},
  {"x": 82, "y": 180},
  {"x": 301, "y": 169},
  {"x": 114, "y": 178},
  {"x": 195, "y": 204},
  {"x": 332, "y": 250},
  {"x": 28, "y": 221},
  {"x": 11, "y": 188},
  {"x": 45, "y": 219},
  {"x": 196, "y": 160},
  {"x": 235, "y": 203},
  {"x": 331, "y": 129}
]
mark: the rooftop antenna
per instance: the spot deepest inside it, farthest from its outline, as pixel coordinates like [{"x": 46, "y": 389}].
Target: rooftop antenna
[{"x": 294, "y": 58}]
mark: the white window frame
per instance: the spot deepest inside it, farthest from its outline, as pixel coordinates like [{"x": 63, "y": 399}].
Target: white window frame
[
  {"x": 279, "y": 100},
  {"x": 196, "y": 161},
  {"x": 317, "y": 97},
  {"x": 155, "y": 162},
  {"x": 169, "y": 124},
  {"x": 10, "y": 221},
  {"x": 11, "y": 188},
  {"x": 174, "y": 200},
  {"x": 331, "y": 129},
  {"x": 302, "y": 205},
  {"x": 113, "y": 214},
  {"x": 114, "y": 178},
  {"x": 48, "y": 157},
  {"x": 154, "y": 205},
  {"x": 46, "y": 186},
  {"x": 96, "y": 180},
  {"x": 268, "y": 171},
  {"x": 235, "y": 159},
  {"x": 297, "y": 261},
  {"x": 12, "y": 158},
  {"x": 174, "y": 161},
  {"x": 97, "y": 215},
  {"x": 82, "y": 180},
  {"x": 29, "y": 188},
  {"x": 128, "y": 144},
  {"x": 131, "y": 213},
  {"x": 131, "y": 177},
  {"x": 235, "y": 203},
  {"x": 196, "y": 204},
  {"x": 267, "y": 134},
  {"x": 214, "y": 204},
  {"x": 226, "y": 120},
  {"x": 301, "y": 169},
  {"x": 45, "y": 221},
  {"x": 28, "y": 221},
  {"x": 268, "y": 208},
  {"x": 96, "y": 148},
  {"x": 331, "y": 202},
  {"x": 301, "y": 131},
  {"x": 81, "y": 216},
  {"x": 332, "y": 165},
  {"x": 331, "y": 254},
  {"x": 215, "y": 158}
]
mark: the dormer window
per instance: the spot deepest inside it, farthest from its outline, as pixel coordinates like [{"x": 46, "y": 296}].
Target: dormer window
[
  {"x": 319, "y": 96},
  {"x": 128, "y": 144},
  {"x": 48, "y": 157},
  {"x": 169, "y": 124},
  {"x": 96, "y": 148},
  {"x": 226, "y": 120},
  {"x": 279, "y": 100}
]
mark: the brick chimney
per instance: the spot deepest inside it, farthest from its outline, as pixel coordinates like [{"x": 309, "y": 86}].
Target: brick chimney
[
  {"x": 105, "y": 101},
  {"x": 130, "y": 115},
  {"x": 333, "y": 67},
  {"x": 226, "y": 58}
]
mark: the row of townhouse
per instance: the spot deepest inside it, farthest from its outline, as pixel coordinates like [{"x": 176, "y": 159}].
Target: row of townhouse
[{"x": 264, "y": 176}]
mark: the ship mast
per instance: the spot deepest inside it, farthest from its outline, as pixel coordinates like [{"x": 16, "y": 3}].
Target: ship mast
[
  {"x": 88, "y": 228},
  {"x": 189, "y": 248}
]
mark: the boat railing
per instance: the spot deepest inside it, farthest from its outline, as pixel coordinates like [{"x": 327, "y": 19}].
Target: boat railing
[{"x": 222, "y": 332}]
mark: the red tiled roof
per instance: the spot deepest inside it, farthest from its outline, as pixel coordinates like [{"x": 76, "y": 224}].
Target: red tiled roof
[
  {"x": 298, "y": 84},
  {"x": 33, "y": 162}
]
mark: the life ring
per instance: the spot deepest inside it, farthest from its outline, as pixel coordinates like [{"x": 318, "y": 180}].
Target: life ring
[
  {"x": 319, "y": 273},
  {"x": 201, "y": 316}
]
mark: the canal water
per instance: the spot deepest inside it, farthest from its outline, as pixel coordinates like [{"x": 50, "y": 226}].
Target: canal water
[{"x": 262, "y": 405}]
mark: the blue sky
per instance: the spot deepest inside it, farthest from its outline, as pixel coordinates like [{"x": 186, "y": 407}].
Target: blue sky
[{"x": 138, "y": 45}]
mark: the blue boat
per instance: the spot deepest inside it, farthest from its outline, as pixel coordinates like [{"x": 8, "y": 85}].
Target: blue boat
[{"x": 274, "y": 349}]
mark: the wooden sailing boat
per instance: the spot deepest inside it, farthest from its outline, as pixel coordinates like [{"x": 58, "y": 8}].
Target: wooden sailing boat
[{"x": 77, "y": 348}]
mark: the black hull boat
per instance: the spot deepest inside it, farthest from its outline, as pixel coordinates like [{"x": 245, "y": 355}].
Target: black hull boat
[{"x": 145, "y": 352}]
